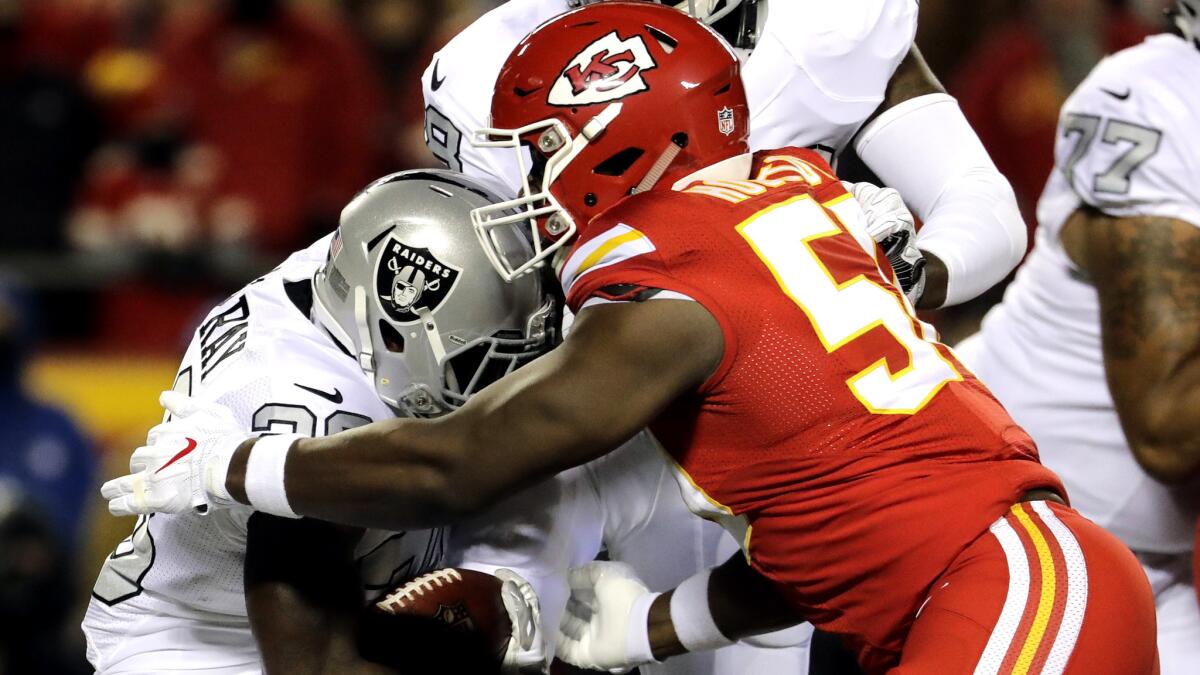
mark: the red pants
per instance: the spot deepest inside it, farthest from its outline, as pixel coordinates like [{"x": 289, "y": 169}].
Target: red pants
[{"x": 1044, "y": 592}]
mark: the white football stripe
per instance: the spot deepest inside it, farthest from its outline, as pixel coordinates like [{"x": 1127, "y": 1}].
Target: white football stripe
[
  {"x": 1077, "y": 592},
  {"x": 1014, "y": 604}
]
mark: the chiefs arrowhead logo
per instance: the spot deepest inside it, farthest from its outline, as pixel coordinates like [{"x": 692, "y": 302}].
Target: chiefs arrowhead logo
[{"x": 606, "y": 70}]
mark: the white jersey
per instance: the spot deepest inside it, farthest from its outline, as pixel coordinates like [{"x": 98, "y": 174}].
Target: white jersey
[
  {"x": 170, "y": 597},
  {"x": 1129, "y": 145},
  {"x": 817, "y": 73}
]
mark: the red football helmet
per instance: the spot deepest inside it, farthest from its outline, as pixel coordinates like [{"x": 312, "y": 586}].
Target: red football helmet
[{"x": 610, "y": 99}]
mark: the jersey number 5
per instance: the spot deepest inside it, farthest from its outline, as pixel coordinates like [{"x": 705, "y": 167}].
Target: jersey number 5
[{"x": 842, "y": 313}]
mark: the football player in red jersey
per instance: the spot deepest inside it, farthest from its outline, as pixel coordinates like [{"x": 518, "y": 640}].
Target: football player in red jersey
[{"x": 737, "y": 306}]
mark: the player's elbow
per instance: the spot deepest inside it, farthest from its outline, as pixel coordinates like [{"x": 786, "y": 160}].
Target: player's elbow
[
  {"x": 1000, "y": 214},
  {"x": 1166, "y": 463},
  {"x": 977, "y": 230},
  {"x": 1165, "y": 443}
]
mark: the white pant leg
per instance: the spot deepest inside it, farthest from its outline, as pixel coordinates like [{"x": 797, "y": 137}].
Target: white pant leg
[
  {"x": 1178, "y": 612},
  {"x": 143, "y": 636}
]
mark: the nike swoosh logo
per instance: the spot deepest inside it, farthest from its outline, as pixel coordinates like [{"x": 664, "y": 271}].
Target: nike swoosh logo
[
  {"x": 191, "y": 445},
  {"x": 435, "y": 83},
  {"x": 335, "y": 397},
  {"x": 1119, "y": 97}
]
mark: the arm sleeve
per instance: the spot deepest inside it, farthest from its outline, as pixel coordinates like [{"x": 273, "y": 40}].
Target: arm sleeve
[{"x": 970, "y": 213}]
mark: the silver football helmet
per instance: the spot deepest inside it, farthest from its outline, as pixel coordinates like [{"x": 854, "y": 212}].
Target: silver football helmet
[{"x": 409, "y": 292}]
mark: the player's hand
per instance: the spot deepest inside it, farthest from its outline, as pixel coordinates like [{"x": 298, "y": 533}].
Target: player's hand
[
  {"x": 892, "y": 226},
  {"x": 526, "y": 651},
  {"x": 604, "y": 627},
  {"x": 183, "y": 464}
]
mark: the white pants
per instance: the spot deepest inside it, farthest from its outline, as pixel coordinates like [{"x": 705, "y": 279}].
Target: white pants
[
  {"x": 144, "y": 636},
  {"x": 1178, "y": 611}
]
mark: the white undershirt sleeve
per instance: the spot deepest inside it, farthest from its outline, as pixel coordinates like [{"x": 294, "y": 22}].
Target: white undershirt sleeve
[{"x": 926, "y": 149}]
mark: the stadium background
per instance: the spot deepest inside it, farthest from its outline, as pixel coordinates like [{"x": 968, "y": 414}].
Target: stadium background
[{"x": 157, "y": 154}]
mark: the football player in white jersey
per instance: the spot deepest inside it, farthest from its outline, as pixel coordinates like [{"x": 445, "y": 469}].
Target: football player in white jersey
[
  {"x": 1096, "y": 348},
  {"x": 397, "y": 312},
  {"x": 815, "y": 74},
  {"x": 828, "y": 75}
]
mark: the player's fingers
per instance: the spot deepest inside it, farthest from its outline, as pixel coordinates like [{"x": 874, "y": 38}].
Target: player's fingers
[
  {"x": 573, "y": 625},
  {"x": 178, "y": 403},
  {"x": 568, "y": 646},
  {"x": 582, "y": 577},
  {"x": 143, "y": 458},
  {"x": 567, "y": 651},
  {"x": 117, "y": 487},
  {"x": 120, "y": 507}
]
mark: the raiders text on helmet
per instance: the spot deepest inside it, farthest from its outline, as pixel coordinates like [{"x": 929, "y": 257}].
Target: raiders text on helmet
[
  {"x": 602, "y": 102},
  {"x": 409, "y": 292}
]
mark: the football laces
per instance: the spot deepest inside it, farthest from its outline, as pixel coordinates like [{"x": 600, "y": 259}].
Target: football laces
[{"x": 400, "y": 598}]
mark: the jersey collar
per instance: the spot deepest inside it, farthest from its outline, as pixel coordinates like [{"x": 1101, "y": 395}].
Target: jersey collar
[{"x": 733, "y": 168}]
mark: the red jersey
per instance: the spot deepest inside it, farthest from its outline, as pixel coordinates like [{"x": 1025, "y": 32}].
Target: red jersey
[{"x": 857, "y": 453}]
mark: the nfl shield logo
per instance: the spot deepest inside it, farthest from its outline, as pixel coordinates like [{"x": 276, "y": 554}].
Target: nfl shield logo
[{"x": 725, "y": 120}]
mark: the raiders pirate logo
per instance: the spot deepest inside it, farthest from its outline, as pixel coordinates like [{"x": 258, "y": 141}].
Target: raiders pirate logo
[
  {"x": 725, "y": 120},
  {"x": 409, "y": 278},
  {"x": 608, "y": 69}
]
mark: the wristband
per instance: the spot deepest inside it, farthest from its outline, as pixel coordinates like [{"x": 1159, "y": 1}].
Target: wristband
[
  {"x": 637, "y": 639},
  {"x": 265, "y": 472},
  {"x": 692, "y": 617}
]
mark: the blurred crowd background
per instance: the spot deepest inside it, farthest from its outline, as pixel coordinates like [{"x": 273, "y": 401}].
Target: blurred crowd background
[{"x": 157, "y": 154}]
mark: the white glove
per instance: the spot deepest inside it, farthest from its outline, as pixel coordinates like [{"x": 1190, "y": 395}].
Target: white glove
[
  {"x": 604, "y": 627},
  {"x": 183, "y": 464},
  {"x": 892, "y": 226},
  {"x": 526, "y": 651}
]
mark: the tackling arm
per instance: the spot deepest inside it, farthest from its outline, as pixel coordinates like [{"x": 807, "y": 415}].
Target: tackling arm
[
  {"x": 614, "y": 622},
  {"x": 742, "y": 604},
  {"x": 1146, "y": 270},
  {"x": 621, "y": 366},
  {"x": 920, "y": 144}
]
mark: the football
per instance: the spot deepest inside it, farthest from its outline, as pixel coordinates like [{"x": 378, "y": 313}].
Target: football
[{"x": 451, "y": 613}]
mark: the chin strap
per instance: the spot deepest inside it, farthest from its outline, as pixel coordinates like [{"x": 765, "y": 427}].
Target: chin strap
[
  {"x": 432, "y": 333},
  {"x": 366, "y": 355},
  {"x": 660, "y": 165}
]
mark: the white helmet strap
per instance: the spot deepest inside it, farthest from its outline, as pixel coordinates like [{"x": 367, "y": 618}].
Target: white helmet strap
[
  {"x": 432, "y": 333},
  {"x": 366, "y": 356}
]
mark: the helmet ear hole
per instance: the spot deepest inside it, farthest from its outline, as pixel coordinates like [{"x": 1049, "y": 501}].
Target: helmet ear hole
[
  {"x": 618, "y": 163},
  {"x": 392, "y": 338}
]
